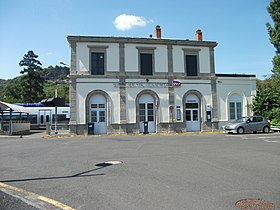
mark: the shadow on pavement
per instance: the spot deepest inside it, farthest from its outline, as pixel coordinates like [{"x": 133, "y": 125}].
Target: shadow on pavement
[{"x": 78, "y": 175}]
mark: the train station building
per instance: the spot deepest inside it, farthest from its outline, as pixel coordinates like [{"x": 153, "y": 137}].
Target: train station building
[{"x": 133, "y": 85}]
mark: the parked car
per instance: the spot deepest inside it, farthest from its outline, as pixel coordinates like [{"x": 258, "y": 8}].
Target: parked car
[{"x": 247, "y": 125}]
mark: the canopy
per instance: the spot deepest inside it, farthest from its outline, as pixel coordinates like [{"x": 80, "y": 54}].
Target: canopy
[{"x": 15, "y": 108}]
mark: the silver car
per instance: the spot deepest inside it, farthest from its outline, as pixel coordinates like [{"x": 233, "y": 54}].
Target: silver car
[{"x": 248, "y": 124}]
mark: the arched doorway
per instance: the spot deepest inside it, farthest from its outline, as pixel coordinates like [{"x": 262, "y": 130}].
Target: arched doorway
[
  {"x": 147, "y": 113},
  {"x": 192, "y": 113},
  {"x": 98, "y": 113}
]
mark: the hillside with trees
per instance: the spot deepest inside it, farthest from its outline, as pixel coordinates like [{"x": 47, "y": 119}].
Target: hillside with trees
[{"x": 35, "y": 83}]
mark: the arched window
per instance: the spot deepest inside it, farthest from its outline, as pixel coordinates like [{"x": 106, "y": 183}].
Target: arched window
[{"x": 235, "y": 107}]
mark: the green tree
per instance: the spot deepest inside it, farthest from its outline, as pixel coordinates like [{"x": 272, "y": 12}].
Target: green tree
[
  {"x": 267, "y": 100},
  {"x": 61, "y": 88},
  {"x": 32, "y": 83},
  {"x": 55, "y": 73},
  {"x": 12, "y": 91},
  {"x": 274, "y": 33}
]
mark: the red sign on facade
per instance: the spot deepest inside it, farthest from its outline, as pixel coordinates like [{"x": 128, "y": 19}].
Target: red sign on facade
[{"x": 176, "y": 83}]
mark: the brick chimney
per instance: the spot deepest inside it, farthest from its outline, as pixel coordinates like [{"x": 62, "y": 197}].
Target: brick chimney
[
  {"x": 158, "y": 32},
  {"x": 198, "y": 35}
]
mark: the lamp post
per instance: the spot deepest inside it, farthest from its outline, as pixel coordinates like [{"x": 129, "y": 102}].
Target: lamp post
[
  {"x": 55, "y": 114},
  {"x": 66, "y": 65},
  {"x": 56, "y": 95}
]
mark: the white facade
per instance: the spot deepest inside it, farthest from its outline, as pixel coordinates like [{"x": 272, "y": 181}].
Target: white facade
[
  {"x": 236, "y": 88},
  {"x": 120, "y": 83}
]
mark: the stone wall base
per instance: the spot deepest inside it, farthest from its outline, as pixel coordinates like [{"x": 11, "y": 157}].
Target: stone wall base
[
  {"x": 130, "y": 128},
  {"x": 79, "y": 129}
]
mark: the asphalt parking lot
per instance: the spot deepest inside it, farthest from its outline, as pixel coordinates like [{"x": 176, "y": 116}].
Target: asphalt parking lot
[{"x": 194, "y": 171}]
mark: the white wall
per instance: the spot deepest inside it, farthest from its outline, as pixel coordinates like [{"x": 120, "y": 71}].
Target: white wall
[
  {"x": 83, "y": 89},
  {"x": 83, "y": 59},
  {"x": 131, "y": 58},
  {"x": 161, "y": 61},
  {"x": 244, "y": 87},
  {"x": 204, "y": 60},
  {"x": 132, "y": 62},
  {"x": 204, "y": 87},
  {"x": 179, "y": 59},
  {"x": 131, "y": 101},
  {"x": 113, "y": 58}
]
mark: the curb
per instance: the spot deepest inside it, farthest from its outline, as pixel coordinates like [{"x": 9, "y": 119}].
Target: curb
[
  {"x": 32, "y": 199},
  {"x": 137, "y": 134}
]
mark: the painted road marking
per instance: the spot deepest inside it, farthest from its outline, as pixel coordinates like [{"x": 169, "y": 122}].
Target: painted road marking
[
  {"x": 271, "y": 141},
  {"x": 271, "y": 137},
  {"x": 30, "y": 197}
]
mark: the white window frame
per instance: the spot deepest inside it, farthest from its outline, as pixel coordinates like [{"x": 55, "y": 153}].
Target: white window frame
[{"x": 236, "y": 101}]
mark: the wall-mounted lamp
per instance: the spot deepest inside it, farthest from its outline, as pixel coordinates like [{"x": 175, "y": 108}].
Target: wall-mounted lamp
[{"x": 62, "y": 63}]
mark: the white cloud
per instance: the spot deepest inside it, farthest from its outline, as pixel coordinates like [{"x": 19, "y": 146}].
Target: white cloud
[
  {"x": 125, "y": 22},
  {"x": 49, "y": 53}
]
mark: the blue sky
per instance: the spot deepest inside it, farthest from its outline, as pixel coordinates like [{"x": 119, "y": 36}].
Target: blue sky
[{"x": 42, "y": 26}]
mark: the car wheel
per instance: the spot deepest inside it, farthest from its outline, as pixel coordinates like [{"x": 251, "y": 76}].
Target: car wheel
[
  {"x": 240, "y": 130},
  {"x": 266, "y": 129}
]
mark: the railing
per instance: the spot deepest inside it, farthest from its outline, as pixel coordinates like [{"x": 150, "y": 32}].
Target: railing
[{"x": 60, "y": 128}]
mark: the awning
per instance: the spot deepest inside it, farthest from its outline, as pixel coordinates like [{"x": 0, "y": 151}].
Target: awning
[{"x": 15, "y": 108}]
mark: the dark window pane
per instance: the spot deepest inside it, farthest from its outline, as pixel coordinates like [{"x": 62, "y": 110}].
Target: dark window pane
[
  {"x": 42, "y": 119},
  {"x": 48, "y": 118},
  {"x": 150, "y": 118},
  {"x": 238, "y": 110},
  {"x": 141, "y": 106},
  {"x": 191, "y": 105},
  {"x": 102, "y": 116},
  {"x": 150, "y": 112},
  {"x": 33, "y": 119},
  {"x": 146, "y": 64},
  {"x": 142, "y": 112},
  {"x": 61, "y": 118},
  {"x": 195, "y": 115},
  {"x": 101, "y": 105},
  {"x": 232, "y": 111},
  {"x": 97, "y": 63},
  {"x": 142, "y": 118},
  {"x": 191, "y": 65},
  {"x": 93, "y": 105},
  {"x": 150, "y": 106},
  {"x": 94, "y": 116},
  {"x": 188, "y": 115}
]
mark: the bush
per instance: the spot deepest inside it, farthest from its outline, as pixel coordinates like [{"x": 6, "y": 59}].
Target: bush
[{"x": 275, "y": 116}]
